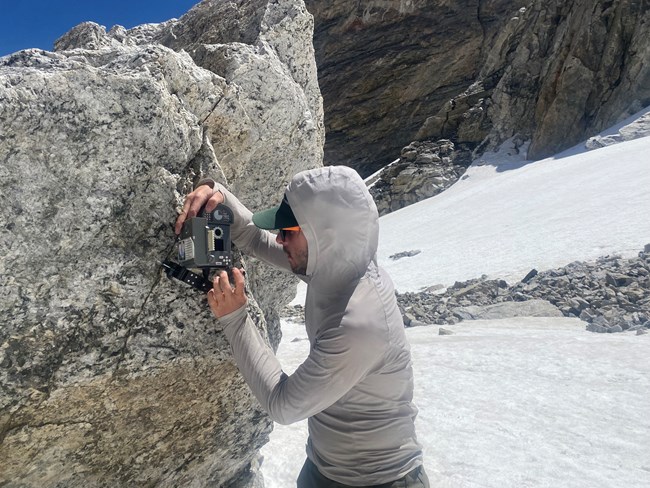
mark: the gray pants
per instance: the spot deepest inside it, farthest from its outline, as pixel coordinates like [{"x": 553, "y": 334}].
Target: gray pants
[{"x": 310, "y": 477}]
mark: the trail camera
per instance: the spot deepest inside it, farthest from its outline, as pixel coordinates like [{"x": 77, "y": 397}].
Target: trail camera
[
  {"x": 204, "y": 243},
  {"x": 205, "y": 240}
]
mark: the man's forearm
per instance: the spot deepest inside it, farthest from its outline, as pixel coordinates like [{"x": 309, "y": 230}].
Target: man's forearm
[
  {"x": 246, "y": 236},
  {"x": 255, "y": 359}
]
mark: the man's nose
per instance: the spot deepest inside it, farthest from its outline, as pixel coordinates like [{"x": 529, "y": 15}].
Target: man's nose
[{"x": 278, "y": 238}]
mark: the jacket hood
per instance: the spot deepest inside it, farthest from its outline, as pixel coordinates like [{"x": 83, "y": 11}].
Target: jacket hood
[{"x": 340, "y": 221}]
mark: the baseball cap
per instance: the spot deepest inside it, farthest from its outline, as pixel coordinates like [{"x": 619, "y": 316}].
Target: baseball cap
[{"x": 279, "y": 217}]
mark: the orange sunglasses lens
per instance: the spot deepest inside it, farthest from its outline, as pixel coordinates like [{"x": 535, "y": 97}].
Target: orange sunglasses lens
[{"x": 283, "y": 232}]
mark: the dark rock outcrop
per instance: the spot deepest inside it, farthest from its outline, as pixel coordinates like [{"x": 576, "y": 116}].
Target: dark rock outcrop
[
  {"x": 476, "y": 72},
  {"x": 567, "y": 70},
  {"x": 386, "y": 66}
]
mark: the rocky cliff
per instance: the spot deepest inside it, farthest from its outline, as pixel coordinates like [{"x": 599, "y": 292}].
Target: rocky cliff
[
  {"x": 386, "y": 66},
  {"x": 476, "y": 72},
  {"x": 562, "y": 71},
  {"x": 113, "y": 375}
]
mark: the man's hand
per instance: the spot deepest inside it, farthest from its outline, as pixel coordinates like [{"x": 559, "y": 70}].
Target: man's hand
[
  {"x": 203, "y": 195},
  {"x": 224, "y": 298}
]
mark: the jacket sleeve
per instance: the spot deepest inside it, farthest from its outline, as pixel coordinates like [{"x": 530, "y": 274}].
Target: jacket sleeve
[
  {"x": 249, "y": 238},
  {"x": 339, "y": 359}
]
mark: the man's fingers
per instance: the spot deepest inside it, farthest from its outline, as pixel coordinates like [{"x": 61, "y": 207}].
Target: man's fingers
[
  {"x": 214, "y": 200},
  {"x": 183, "y": 215},
  {"x": 201, "y": 195},
  {"x": 240, "y": 283},
  {"x": 223, "y": 282},
  {"x": 216, "y": 284},
  {"x": 222, "y": 298},
  {"x": 193, "y": 203},
  {"x": 212, "y": 301}
]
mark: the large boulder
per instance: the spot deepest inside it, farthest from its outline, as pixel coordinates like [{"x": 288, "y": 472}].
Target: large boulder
[
  {"x": 272, "y": 108},
  {"x": 113, "y": 375}
]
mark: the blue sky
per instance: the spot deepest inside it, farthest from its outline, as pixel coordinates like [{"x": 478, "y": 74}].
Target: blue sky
[{"x": 25, "y": 24}]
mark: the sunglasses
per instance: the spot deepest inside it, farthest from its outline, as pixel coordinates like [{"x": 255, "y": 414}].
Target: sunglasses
[{"x": 283, "y": 232}]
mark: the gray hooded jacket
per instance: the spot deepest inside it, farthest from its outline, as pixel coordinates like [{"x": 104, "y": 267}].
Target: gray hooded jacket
[{"x": 356, "y": 385}]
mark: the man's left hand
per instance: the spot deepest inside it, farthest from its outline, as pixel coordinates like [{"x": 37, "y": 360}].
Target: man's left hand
[{"x": 224, "y": 298}]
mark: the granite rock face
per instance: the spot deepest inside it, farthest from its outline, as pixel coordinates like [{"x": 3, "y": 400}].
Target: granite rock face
[
  {"x": 113, "y": 375},
  {"x": 477, "y": 73},
  {"x": 264, "y": 52}
]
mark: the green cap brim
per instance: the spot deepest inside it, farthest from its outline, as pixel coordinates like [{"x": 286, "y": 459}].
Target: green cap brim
[{"x": 279, "y": 217}]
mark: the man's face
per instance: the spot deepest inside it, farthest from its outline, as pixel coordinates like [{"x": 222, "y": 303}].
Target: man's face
[{"x": 294, "y": 244}]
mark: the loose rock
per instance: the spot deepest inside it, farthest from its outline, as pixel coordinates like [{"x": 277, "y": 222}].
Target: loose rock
[{"x": 611, "y": 294}]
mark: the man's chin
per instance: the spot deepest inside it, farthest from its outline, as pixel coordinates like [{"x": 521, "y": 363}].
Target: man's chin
[{"x": 299, "y": 270}]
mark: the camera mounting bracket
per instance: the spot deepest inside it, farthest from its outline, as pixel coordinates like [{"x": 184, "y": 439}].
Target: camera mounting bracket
[{"x": 175, "y": 270}]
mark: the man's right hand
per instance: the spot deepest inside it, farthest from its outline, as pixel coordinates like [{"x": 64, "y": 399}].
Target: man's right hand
[{"x": 203, "y": 195}]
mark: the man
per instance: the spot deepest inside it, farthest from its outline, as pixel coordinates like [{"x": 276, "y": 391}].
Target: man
[{"x": 356, "y": 385}]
